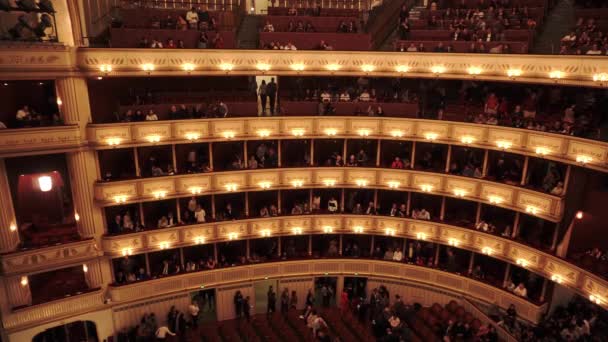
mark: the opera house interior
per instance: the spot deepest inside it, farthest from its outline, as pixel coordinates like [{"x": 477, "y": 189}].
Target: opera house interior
[{"x": 303, "y": 170}]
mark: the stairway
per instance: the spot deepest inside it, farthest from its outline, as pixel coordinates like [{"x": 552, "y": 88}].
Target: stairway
[
  {"x": 248, "y": 35},
  {"x": 557, "y": 24},
  {"x": 388, "y": 44}
]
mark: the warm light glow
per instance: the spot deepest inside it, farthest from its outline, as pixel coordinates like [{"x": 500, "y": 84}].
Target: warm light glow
[
  {"x": 265, "y": 184},
  {"x": 453, "y": 242},
  {"x": 226, "y": 67},
  {"x": 358, "y": 229},
  {"x": 426, "y": 187},
  {"x": 532, "y": 210},
  {"x": 147, "y": 67},
  {"x": 298, "y": 132},
  {"x": 467, "y": 139},
  {"x": 421, "y": 236},
  {"x": 159, "y": 194},
  {"x": 265, "y": 232},
  {"x": 296, "y": 230},
  {"x": 402, "y": 68},
  {"x": 543, "y": 151},
  {"x": 487, "y": 251},
  {"x": 199, "y": 240},
  {"x": 195, "y": 190},
  {"x": 263, "y": 133},
  {"x": 505, "y": 145},
  {"x": 24, "y": 281},
  {"x": 328, "y": 229},
  {"x": 329, "y": 182},
  {"x": 59, "y": 102},
  {"x": 522, "y": 262},
  {"x": 153, "y": 138},
  {"x": 229, "y": 134},
  {"x": 432, "y": 136},
  {"x": 231, "y": 186},
  {"x": 361, "y": 182},
  {"x": 85, "y": 268},
  {"x": 474, "y": 70},
  {"x": 583, "y": 159},
  {"x": 556, "y": 74},
  {"x": 45, "y": 183},
  {"x": 12, "y": 227},
  {"x": 389, "y": 232},
  {"x": 188, "y": 67},
  {"x": 113, "y": 141},
  {"x": 193, "y": 136},
  {"x": 396, "y": 133},
  {"x": 364, "y": 132},
  {"x": 333, "y": 67},
  {"x": 595, "y": 299},
  {"x": 393, "y": 184},
  {"x": 602, "y": 77},
  {"x": 331, "y": 131},
  {"x": 76, "y": 217},
  {"x": 557, "y": 278},
  {"x": 297, "y": 183},
  {"x": 233, "y": 236},
  {"x": 298, "y": 66},
  {"x": 263, "y": 66},
  {"x": 164, "y": 245},
  {"x": 579, "y": 215},
  {"x": 368, "y": 68},
  {"x": 495, "y": 199},
  {"x": 105, "y": 68},
  {"x": 127, "y": 251},
  {"x": 514, "y": 72},
  {"x": 438, "y": 69},
  {"x": 459, "y": 192}
]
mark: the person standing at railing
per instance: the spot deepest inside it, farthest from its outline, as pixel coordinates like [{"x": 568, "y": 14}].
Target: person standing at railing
[{"x": 192, "y": 18}]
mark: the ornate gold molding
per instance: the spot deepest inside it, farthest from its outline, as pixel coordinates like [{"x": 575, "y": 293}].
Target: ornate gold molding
[
  {"x": 44, "y": 259},
  {"x": 39, "y": 140},
  {"x": 536, "y": 203},
  {"x": 544, "y": 264},
  {"x": 517, "y": 68},
  {"x": 563, "y": 148},
  {"x": 332, "y": 267},
  {"x": 38, "y": 61}
]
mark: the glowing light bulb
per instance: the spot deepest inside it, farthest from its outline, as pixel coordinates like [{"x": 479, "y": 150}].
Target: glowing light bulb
[
  {"x": 193, "y": 136},
  {"x": 148, "y": 67},
  {"x": 397, "y": 133},
  {"x": 296, "y": 230},
  {"x": 505, "y": 145},
  {"x": 329, "y": 182},
  {"x": 514, "y": 72},
  {"x": 474, "y": 70},
  {"x": 199, "y": 240},
  {"x": 358, "y": 229},
  {"x": 402, "y": 68},
  {"x": 113, "y": 141},
  {"x": 45, "y": 183},
  {"x": 265, "y": 184},
  {"x": 421, "y": 236},
  {"x": 459, "y": 192},
  {"x": 226, "y": 66},
  {"x": 393, "y": 184},
  {"x": 361, "y": 182},
  {"x": 438, "y": 69},
  {"x": 228, "y": 134},
  {"x": 389, "y": 232},
  {"x": 328, "y": 229},
  {"x": 188, "y": 67},
  {"x": 297, "y": 183},
  {"x": 431, "y": 136},
  {"x": 298, "y": 132},
  {"x": 298, "y": 66},
  {"x": 487, "y": 251},
  {"x": 495, "y": 199},
  {"x": 583, "y": 159},
  {"x": 368, "y": 68},
  {"x": 426, "y": 187},
  {"x": 363, "y": 132},
  {"x": 467, "y": 139}
]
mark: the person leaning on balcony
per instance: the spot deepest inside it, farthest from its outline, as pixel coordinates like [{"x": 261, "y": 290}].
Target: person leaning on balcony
[
  {"x": 161, "y": 333},
  {"x": 192, "y": 18}
]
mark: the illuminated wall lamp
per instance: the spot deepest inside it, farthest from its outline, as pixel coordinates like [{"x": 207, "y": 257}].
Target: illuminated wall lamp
[
  {"x": 459, "y": 192},
  {"x": 153, "y": 138},
  {"x": 59, "y": 102},
  {"x": 329, "y": 182},
  {"x": 226, "y": 67},
  {"x": 543, "y": 151},
  {"x": 426, "y": 187},
  {"x": 265, "y": 232},
  {"x": 199, "y": 240},
  {"x": 45, "y": 183},
  {"x": 159, "y": 194},
  {"x": 595, "y": 299},
  {"x": 231, "y": 186},
  {"x": 402, "y": 68},
  {"x": 333, "y": 67},
  {"x": 229, "y": 134},
  {"x": 188, "y": 67},
  {"x": 297, "y": 183},
  {"x": 263, "y": 133},
  {"x": 298, "y": 132},
  {"x": 296, "y": 230},
  {"x": 495, "y": 199},
  {"x": 438, "y": 69},
  {"x": 557, "y": 278},
  {"x": 358, "y": 229},
  {"x": 474, "y": 71},
  {"x": 364, "y": 132},
  {"x": 196, "y": 190},
  {"x": 263, "y": 67},
  {"x": 512, "y": 73},
  {"x": 579, "y": 215},
  {"x": 113, "y": 141},
  {"x": 431, "y": 136},
  {"x": 85, "y": 268},
  {"x": 505, "y": 145},
  {"x": 532, "y": 210},
  {"x": 76, "y": 217},
  {"x": 120, "y": 198},
  {"x": 163, "y": 245},
  {"x": 328, "y": 229},
  {"x": 361, "y": 182},
  {"x": 298, "y": 67},
  {"x": 521, "y": 262},
  {"x": 13, "y": 227},
  {"x": 393, "y": 184},
  {"x": 24, "y": 281},
  {"x": 127, "y": 251},
  {"x": 556, "y": 74},
  {"x": 421, "y": 236},
  {"x": 453, "y": 242},
  {"x": 148, "y": 67},
  {"x": 389, "y": 232},
  {"x": 331, "y": 131},
  {"x": 105, "y": 68},
  {"x": 233, "y": 236},
  {"x": 467, "y": 139},
  {"x": 487, "y": 251},
  {"x": 193, "y": 136},
  {"x": 368, "y": 68},
  {"x": 583, "y": 159},
  {"x": 265, "y": 184},
  {"x": 397, "y": 133}
]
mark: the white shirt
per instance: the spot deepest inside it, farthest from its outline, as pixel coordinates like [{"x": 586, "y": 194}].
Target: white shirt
[
  {"x": 200, "y": 215},
  {"x": 151, "y": 117},
  {"x": 21, "y": 114},
  {"x": 191, "y": 17},
  {"x": 332, "y": 205},
  {"x": 594, "y": 52},
  {"x": 398, "y": 256},
  {"x": 521, "y": 291},
  {"x": 325, "y": 96},
  {"x": 162, "y": 332},
  {"x": 424, "y": 215}
]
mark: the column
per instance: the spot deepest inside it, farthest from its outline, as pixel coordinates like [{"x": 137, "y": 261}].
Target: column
[
  {"x": 94, "y": 274},
  {"x": 18, "y": 294},
  {"x": 74, "y": 95},
  {"x": 448, "y": 159},
  {"x": 471, "y": 262},
  {"x": 83, "y": 175},
  {"x": 507, "y": 275},
  {"x": 524, "y": 172},
  {"x": 484, "y": 170},
  {"x": 9, "y": 235}
]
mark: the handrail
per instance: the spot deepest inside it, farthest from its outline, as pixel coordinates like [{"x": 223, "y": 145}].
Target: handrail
[
  {"x": 385, "y": 22},
  {"x": 503, "y": 334},
  {"x": 225, "y": 5}
]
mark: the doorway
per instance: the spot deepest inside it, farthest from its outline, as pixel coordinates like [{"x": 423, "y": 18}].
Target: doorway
[
  {"x": 261, "y": 289},
  {"x": 325, "y": 291}
]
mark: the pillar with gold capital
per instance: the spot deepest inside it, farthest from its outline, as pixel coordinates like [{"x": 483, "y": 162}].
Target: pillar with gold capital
[
  {"x": 9, "y": 234},
  {"x": 18, "y": 291},
  {"x": 73, "y": 100}
]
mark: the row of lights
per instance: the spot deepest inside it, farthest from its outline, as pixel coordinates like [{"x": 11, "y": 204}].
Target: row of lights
[{"x": 367, "y": 68}]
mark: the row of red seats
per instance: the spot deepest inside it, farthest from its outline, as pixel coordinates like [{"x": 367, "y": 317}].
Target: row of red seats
[
  {"x": 321, "y": 24},
  {"x": 310, "y": 41},
  {"x": 142, "y": 17},
  {"x": 131, "y": 37},
  {"x": 325, "y": 12}
]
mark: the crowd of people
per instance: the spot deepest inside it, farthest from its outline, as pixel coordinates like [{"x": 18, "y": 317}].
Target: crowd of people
[
  {"x": 217, "y": 109},
  {"x": 586, "y": 38},
  {"x": 28, "y": 116}
]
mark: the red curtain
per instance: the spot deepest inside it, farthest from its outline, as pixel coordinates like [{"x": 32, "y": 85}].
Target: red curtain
[{"x": 37, "y": 206}]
